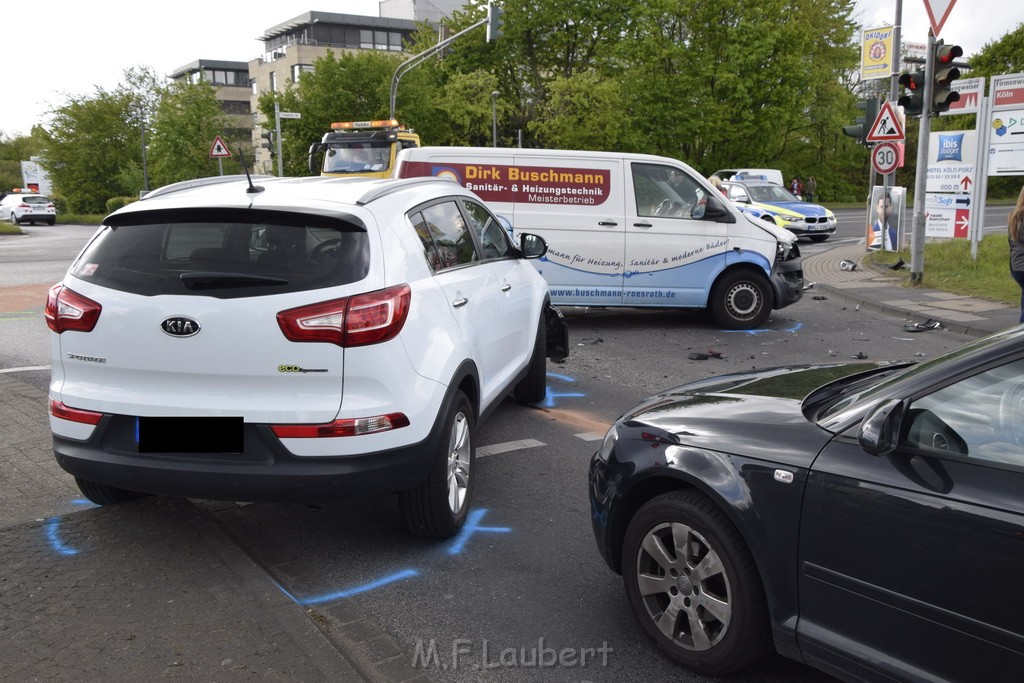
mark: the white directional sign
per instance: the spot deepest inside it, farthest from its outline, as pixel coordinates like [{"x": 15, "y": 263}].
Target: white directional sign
[
  {"x": 971, "y": 91},
  {"x": 887, "y": 126},
  {"x": 947, "y": 215},
  {"x": 290, "y": 115},
  {"x": 885, "y": 157},
  {"x": 951, "y": 161}
]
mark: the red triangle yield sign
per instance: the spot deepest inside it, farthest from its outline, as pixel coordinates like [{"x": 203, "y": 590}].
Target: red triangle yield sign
[
  {"x": 887, "y": 126},
  {"x": 938, "y": 12}
]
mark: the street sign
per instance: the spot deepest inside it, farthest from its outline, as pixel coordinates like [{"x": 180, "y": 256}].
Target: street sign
[
  {"x": 219, "y": 150},
  {"x": 952, "y": 159},
  {"x": 947, "y": 215},
  {"x": 290, "y": 115},
  {"x": 1007, "y": 92},
  {"x": 887, "y": 126},
  {"x": 885, "y": 157},
  {"x": 938, "y": 12}
]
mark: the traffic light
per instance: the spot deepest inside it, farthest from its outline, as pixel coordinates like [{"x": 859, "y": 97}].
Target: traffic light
[
  {"x": 862, "y": 124},
  {"x": 913, "y": 100},
  {"x": 269, "y": 142},
  {"x": 495, "y": 20},
  {"x": 945, "y": 74}
]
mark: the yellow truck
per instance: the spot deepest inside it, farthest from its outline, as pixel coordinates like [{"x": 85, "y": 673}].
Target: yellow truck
[{"x": 366, "y": 149}]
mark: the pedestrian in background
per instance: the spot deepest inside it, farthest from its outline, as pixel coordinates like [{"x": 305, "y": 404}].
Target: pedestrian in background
[
  {"x": 796, "y": 187},
  {"x": 1015, "y": 227},
  {"x": 811, "y": 187}
]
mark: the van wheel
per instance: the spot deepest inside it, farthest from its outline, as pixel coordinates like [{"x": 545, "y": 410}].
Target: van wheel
[
  {"x": 102, "y": 494},
  {"x": 741, "y": 300},
  {"x": 534, "y": 387},
  {"x": 438, "y": 507}
]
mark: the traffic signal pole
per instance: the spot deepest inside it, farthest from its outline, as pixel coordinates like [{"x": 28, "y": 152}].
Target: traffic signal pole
[
  {"x": 921, "y": 181},
  {"x": 889, "y": 179}
]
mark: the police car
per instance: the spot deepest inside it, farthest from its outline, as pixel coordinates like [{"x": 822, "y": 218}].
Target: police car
[
  {"x": 770, "y": 201},
  {"x": 25, "y": 206}
]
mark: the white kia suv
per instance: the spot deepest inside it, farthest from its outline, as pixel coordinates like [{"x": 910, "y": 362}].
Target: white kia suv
[{"x": 295, "y": 339}]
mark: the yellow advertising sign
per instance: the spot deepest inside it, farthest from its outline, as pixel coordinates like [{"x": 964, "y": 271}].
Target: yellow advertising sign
[{"x": 877, "y": 53}]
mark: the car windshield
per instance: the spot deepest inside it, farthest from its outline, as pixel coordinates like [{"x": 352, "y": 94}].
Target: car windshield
[
  {"x": 358, "y": 157},
  {"x": 224, "y": 253},
  {"x": 770, "y": 193}
]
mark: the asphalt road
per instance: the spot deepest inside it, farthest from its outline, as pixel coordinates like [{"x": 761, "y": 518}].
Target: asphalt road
[{"x": 526, "y": 575}]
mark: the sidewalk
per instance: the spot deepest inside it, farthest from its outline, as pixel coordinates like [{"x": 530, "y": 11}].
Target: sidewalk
[{"x": 871, "y": 288}]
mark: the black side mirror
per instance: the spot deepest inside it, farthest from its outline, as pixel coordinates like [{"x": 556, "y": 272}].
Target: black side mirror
[
  {"x": 880, "y": 431},
  {"x": 532, "y": 246}
]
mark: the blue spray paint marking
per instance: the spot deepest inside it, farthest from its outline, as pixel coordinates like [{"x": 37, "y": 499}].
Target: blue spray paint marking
[
  {"x": 550, "y": 396},
  {"x": 356, "y": 590},
  {"x": 52, "y": 529},
  {"x": 472, "y": 527},
  {"x": 83, "y": 501},
  {"x": 796, "y": 328}
]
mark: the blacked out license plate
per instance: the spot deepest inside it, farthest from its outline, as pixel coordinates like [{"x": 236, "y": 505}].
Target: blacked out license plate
[{"x": 189, "y": 434}]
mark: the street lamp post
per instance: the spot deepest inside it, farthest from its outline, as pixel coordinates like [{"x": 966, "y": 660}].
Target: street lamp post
[{"x": 494, "y": 116}]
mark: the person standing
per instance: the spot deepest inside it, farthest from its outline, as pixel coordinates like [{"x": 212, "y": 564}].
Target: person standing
[
  {"x": 811, "y": 187},
  {"x": 796, "y": 187},
  {"x": 1015, "y": 228}
]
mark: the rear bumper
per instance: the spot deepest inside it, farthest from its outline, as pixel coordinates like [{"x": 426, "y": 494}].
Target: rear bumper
[{"x": 264, "y": 472}]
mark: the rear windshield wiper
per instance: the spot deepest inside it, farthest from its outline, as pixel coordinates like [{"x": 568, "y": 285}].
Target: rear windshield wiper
[{"x": 214, "y": 280}]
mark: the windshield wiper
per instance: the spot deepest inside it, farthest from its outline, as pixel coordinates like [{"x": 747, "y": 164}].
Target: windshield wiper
[{"x": 214, "y": 280}]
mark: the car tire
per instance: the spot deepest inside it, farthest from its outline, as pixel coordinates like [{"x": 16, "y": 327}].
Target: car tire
[
  {"x": 14, "y": 219},
  {"x": 438, "y": 507},
  {"x": 706, "y": 610},
  {"x": 817, "y": 238},
  {"x": 534, "y": 387},
  {"x": 102, "y": 494},
  {"x": 52, "y": 221},
  {"x": 741, "y": 300}
]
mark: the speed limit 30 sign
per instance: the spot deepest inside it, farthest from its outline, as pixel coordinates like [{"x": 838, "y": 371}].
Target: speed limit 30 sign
[{"x": 885, "y": 157}]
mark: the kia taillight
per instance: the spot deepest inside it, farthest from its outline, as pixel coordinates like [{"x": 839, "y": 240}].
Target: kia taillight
[
  {"x": 69, "y": 310},
  {"x": 350, "y": 427},
  {"x": 58, "y": 409},
  {"x": 354, "y": 321}
]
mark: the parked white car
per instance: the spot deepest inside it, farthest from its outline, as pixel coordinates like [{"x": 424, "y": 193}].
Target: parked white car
[
  {"x": 295, "y": 340},
  {"x": 28, "y": 208}
]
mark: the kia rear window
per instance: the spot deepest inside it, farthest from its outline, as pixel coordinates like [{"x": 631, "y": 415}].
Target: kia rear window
[{"x": 228, "y": 257}]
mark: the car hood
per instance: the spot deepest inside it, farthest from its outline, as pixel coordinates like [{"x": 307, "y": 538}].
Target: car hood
[
  {"x": 756, "y": 414},
  {"x": 800, "y": 208}
]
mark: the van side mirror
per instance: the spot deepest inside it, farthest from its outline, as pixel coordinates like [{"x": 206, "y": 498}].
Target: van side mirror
[{"x": 532, "y": 246}]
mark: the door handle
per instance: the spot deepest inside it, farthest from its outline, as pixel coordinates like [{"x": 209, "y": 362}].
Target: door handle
[
  {"x": 643, "y": 225},
  {"x": 610, "y": 224},
  {"x": 505, "y": 287},
  {"x": 460, "y": 302}
]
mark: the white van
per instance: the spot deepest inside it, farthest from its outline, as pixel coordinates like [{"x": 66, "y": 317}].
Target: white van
[{"x": 628, "y": 229}]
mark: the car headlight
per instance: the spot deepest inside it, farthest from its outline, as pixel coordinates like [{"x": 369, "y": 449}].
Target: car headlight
[
  {"x": 608, "y": 445},
  {"x": 789, "y": 219}
]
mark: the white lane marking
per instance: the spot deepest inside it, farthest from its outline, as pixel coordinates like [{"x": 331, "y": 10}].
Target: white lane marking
[
  {"x": 495, "y": 449},
  {"x": 590, "y": 436},
  {"x": 25, "y": 369}
]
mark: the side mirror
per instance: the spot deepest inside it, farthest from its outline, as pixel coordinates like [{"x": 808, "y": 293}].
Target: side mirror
[
  {"x": 880, "y": 430},
  {"x": 532, "y": 246}
]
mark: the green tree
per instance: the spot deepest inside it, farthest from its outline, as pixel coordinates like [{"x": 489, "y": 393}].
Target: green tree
[
  {"x": 12, "y": 152},
  {"x": 187, "y": 119},
  {"x": 584, "y": 111}
]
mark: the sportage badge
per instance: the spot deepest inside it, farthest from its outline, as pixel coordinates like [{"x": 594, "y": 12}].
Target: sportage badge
[{"x": 180, "y": 327}]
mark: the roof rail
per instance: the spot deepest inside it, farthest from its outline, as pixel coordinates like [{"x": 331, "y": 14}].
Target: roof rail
[
  {"x": 396, "y": 185},
  {"x": 200, "y": 182}
]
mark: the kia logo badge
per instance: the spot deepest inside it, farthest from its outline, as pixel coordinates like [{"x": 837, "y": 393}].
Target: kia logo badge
[{"x": 180, "y": 327}]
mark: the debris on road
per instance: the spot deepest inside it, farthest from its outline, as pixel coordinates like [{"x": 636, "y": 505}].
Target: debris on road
[
  {"x": 929, "y": 324},
  {"x": 847, "y": 264},
  {"x": 860, "y": 355},
  {"x": 697, "y": 355}
]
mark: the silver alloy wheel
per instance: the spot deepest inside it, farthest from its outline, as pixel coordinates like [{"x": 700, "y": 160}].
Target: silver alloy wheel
[
  {"x": 684, "y": 586},
  {"x": 458, "y": 463}
]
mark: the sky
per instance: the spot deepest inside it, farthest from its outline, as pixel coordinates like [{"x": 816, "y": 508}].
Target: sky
[{"x": 74, "y": 47}]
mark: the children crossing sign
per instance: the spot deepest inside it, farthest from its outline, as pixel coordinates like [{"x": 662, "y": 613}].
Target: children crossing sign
[
  {"x": 219, "y": 150},
  {"x": 887, "y": 126}
]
